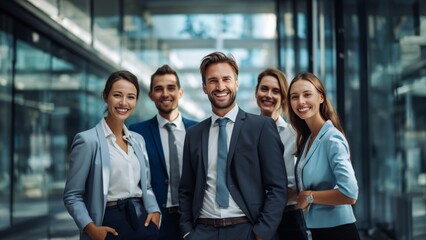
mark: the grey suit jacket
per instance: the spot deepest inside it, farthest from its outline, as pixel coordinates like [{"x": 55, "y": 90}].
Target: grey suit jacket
[{"x": 86, "y": 189}]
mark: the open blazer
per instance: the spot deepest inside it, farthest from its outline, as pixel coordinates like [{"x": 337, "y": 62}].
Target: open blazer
[
  {"x": 328, "y": 166},
  {"x": 160, "y": 177},
  {"x": 86, "y": 189},
  {"x": 256, "y": 176}
]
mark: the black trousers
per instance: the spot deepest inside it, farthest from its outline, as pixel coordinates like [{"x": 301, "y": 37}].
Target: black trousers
[
  {"x": 169, "y": 229},
  {"x": 243, "y": 231},
  {"x": 293, "y": 226},
  {"x": 342, "y": 232},
  {"x": 128, "y": 219}
]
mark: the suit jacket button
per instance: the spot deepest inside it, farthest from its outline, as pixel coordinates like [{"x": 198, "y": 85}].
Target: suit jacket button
[{"x": 166, "y": 181}]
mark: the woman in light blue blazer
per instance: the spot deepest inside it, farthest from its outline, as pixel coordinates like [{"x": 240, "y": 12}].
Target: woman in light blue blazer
[
  {"x": 324, "y": 175},
  {"x": 108, "y": 191}
]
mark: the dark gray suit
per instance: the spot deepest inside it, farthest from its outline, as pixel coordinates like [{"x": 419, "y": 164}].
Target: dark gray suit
[{"x": 256, "y": 175}]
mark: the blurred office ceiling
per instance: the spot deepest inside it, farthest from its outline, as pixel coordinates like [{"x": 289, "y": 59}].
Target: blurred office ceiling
[{"x": 142, "y": 35}]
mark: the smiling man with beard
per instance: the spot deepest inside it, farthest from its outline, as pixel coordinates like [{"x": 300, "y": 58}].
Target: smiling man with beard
[
  {"x": 165, "y": 159},
  {"x": 234, "y": 183}
]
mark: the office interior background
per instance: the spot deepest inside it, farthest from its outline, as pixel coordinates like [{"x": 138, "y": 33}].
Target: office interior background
[{"x": 55, "y": 56}]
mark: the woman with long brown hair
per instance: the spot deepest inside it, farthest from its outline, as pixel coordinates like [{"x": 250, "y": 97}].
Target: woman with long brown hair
[{"x": 324, "y": 174}]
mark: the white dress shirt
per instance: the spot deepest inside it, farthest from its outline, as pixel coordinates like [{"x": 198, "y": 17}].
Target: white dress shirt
[
  {"x": 180, "y": 138},
  {"x": 125, "y": 168},
  {"x": 210, "y": 208},
  {"x": 288, "y": 138},
  {"x": 300, "y": 165}
]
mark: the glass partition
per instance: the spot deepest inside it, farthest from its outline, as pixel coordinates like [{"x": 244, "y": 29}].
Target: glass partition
[
  {"x": 66, "y": 93},
  {"x": 182, "y": 40},
  {"x": 32, "y": 138},
  {"x": 392, "y": 94},
  {"x": 107, "y": 29},
  {"x": 6, "y": 57}
]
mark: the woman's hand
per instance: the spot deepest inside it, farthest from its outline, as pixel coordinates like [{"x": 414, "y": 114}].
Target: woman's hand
[
  {"x": 153, "y": 217},
  {"x": 99, "y": 232},
  {"x": 302, "y": 201}
]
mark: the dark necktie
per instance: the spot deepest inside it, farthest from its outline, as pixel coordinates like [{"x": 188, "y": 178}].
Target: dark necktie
[
  {"x": 222, "y": 194},
  {"x": 174, "y": 175}
]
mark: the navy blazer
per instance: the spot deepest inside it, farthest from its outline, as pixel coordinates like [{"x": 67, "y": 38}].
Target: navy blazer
[
  {"x": 159, "y": 175},
  {"x": 256, "y": 175}
]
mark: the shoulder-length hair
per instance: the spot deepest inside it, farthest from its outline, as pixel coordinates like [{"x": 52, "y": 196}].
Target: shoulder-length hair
[{"x": 282, "y": 82}]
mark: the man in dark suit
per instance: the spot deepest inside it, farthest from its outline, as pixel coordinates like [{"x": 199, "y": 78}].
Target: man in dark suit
[
  {"x": 246, "y": 199},
  {"x": 165, "y": 91}
]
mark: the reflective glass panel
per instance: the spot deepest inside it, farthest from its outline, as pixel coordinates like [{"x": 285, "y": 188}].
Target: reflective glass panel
[
  {"x": 6, "y": 56},
  {"x": 32, "y": 138},
  {"x": 397, "y": 86}
]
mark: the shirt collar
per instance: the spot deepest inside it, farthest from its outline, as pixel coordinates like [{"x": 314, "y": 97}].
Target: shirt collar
[
  {"x": 178, "y": 121},
  {"x": 109, "y": 133},
  {"x": 106, "y": 128},
  {"x": 281, "y": 123},
  {"x": 231, "y": 115}
]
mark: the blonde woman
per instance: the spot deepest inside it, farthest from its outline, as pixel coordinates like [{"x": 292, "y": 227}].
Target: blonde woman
[{"x": 271, "y": 97}]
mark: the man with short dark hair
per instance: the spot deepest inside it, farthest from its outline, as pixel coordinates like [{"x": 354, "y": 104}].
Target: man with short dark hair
[{"x": 164, "y": 135}]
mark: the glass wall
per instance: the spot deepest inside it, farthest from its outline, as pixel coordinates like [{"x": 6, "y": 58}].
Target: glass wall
[
  {"x": 142, "y": 37},
  {"x": 47, "y": 95},
  {"x": 293, "y": 37},
  {"x": 32, "y": 156},
  {"x": 385, "y": 86},
  {"x": 307, "y": 40},
  {"x": 397, "y": 87},
  {"x": 184, "y": 35},
  {"x": 56, "y": 90},
  {"x": 355, "y": 103},
  {"x": 6, "y": 55}
]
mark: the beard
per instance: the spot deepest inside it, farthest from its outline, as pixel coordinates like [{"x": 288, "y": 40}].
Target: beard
[
  {"x": 222, "y": 105},
  {"x": 166, "y": 110}
]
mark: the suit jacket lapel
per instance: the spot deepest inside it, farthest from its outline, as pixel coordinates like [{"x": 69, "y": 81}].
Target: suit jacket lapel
[
  {"x": 205, "y": 143},
  {"x": 311, "y": 151},
  {"x": 155, "y": 133},
  {"x": 104, "y": 153},
  {"x": 185, "y": 123},
  {"x": 141, "y": 157},
  {"x": 316, "y": 143},
  {"x": 239, "y": 120}
]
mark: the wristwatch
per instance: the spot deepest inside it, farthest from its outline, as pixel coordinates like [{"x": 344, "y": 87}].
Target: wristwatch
[{"x": 310, "y": 198}]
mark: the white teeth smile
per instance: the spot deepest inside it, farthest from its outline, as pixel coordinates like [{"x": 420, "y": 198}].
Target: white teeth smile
[
  {"x": 221, "y": 94},
  {"x": 123, "y": 110},
  {"x": 303, "y": 109},
  {"x": 268, "y": 103}
]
